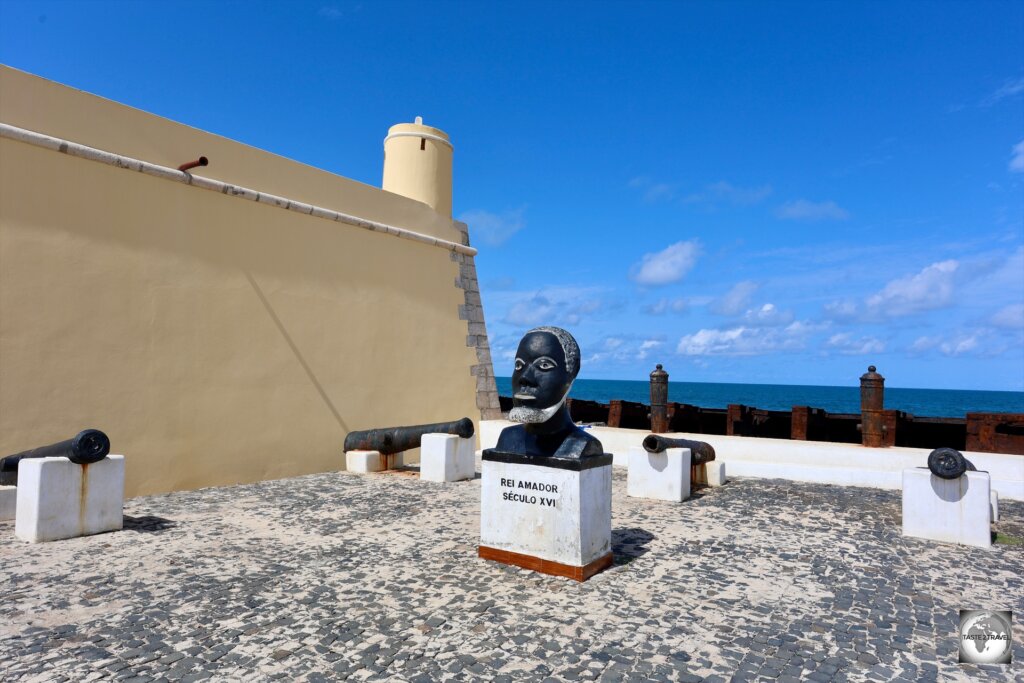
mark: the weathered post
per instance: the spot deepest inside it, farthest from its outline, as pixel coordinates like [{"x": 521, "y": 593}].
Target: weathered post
[
  {"x": 659, "y": 400},
  {"x": 872, "y": 409},
  {"x": 798, "y": 425}
]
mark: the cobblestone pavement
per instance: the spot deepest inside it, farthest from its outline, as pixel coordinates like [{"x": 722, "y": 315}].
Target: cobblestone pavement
[{"x": 336, "y": 576}]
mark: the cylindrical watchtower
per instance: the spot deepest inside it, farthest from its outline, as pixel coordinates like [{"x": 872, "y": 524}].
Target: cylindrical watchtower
[
  {"x": 659, "y": 400},
  {"x": 872, "y": 406},
  {"x": 418, "y": 165}
]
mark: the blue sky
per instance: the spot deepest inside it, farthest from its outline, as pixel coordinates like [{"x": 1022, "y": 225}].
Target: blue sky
[{"x": 754, "y": 192}]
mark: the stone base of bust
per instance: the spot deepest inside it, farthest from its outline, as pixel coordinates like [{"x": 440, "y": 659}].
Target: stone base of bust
[
  {"x": 661, "y": 476},
  {"x": 58, "y": 499},
  {"x": 952, "y": 510},
  {"x": 551, "y": 515}
]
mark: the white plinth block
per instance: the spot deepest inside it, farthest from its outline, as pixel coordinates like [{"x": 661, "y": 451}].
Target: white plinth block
[
  {"x": 547, "y": 517},
  {"x": 446, "y": 457},
  {"x": 364, "y": 461},
  {"x": 952, "y": 510},
  {"x": 662, "y": 476},
  {"x": 8, "y": 502},
  {"x": 716, "y": 473},
  {"x": 59, "y": 499},
  {"x": 994, "y": 505}
]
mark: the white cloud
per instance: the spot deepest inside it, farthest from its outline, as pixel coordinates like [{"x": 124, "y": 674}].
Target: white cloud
[
  {"x": 804, "y": 210},
  {"x": 624, "y": 349},
  {"x": 736, "y": 299},
  {"x": 768, "y": 315},
  {"x": 1017, "y": 158},
  {"x": 647, "y": 346},
  {"x": 1009, "y": 89},
  {"x": 841, "y": 310},
  {"x": 530, "y": 313},
  {"x": 659, "y": 192},
  {"x": 664, "y": 306},
  {"x": 845, "y": 344},
  {"x": 653, "y": 191},
  {"x": 493, "y": 229},
  {"x": 551, "y": 306},
  {"x": 666, "y": 266},
  {"x": 959, "y": 345},
  {"x": 1010, "y": 317},
  {"x": 922, "y": 344},
  {"x": 331, "y": 12},
  {"x": 726, "y": 193},
  {"x": 924, "y": 291},
  {"x": 745, "y": 341}
]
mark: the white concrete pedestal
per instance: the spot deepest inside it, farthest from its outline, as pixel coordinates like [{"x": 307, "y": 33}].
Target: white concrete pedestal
[
  {"x": 364, "y": 461},
  {"x": 372, "y": 461},
  {"x": 952, "y": 510},
  {"x": 662, "y": 476},
  {"x": 8, "y": 502},
  {"x": 446, "y": 457},
  {"x": 995, "y": 506},
  {"x": 550, "y": 515},
  {"x": 716, "y": 473},
  {"x": 59, "y": 499}
]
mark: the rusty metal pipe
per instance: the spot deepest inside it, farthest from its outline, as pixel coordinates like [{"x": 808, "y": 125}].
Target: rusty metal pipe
[
  {"x": 85, "y": 448},
  {"x": 659, "y": 400},
  {"x": 201, "y": 161},
  {"x": 388, "y": 440},
  {"x": 872, "y": 406},
  {"x": 701, "y": 452}
]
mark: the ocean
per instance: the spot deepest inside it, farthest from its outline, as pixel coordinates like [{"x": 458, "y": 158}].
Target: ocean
[{"x": 919, "y": 402}]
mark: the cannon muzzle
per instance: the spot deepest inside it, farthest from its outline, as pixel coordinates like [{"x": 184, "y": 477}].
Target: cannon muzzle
[
  {"x": 388, "y": 440},
  {"x": 948, "y": 463},
  {"x": 85, "y": 448},
  {"x": 700, "y": 451}
]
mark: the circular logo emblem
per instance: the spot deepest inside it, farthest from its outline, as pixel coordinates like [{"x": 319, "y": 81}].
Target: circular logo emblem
[{"x": 985, "y": 636}]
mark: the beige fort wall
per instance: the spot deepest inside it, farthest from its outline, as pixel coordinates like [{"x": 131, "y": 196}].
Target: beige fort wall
[{"x": 216, "y": 340}]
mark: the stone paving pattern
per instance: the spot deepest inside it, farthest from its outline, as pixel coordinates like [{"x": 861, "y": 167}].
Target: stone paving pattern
[{"x": 375, "y": 577}]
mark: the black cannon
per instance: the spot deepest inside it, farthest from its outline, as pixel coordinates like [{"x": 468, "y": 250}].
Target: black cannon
[
  {"x": 948, "y": 463},
  {"x": 388, "y": 440},
  {"x": 700, "y": 451},
  {"x": 85, "y": 448}
]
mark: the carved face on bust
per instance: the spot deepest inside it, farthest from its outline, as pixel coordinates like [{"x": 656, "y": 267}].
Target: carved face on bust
[{"x": 543, "y": 374}]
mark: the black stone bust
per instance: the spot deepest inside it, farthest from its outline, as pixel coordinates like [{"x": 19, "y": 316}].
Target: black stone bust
[{"x": 547, "y": 362}]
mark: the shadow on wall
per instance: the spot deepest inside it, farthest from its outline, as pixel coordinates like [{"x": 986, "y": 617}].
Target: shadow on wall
[{"x": 295, "y": 350}]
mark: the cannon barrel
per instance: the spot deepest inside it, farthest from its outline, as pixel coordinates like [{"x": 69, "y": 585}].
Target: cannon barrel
[
  {"x": 85, "y": 448},
  {"x": 948, "y": 463},
  {"x": 700, "y": 451},
  {"x": 388, "y": 440}
]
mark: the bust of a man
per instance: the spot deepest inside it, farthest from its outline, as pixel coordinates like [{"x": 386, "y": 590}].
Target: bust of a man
[{"x": 547, "y": 362}]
